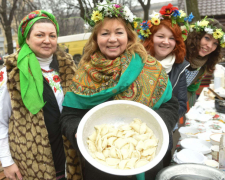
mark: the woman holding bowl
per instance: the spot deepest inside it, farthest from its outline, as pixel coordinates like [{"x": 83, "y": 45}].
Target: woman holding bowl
[
  {"x": 32, "y": 87},
  {"x": 115, "y": 66}
]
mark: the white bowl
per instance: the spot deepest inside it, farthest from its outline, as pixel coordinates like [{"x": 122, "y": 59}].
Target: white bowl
[
  {"x": 190, "y": 156},
  {"x": 204, "y": 136},
  {"x": 212, "y": 163},
  {"x": 196, "y": 145},
  {"x": 215, "y": 138},
  {"x": 187, "y": 132},
  {"x": 115, "y": 113}
]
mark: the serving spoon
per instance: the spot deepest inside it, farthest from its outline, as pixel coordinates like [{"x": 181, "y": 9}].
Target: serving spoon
[{"x": 217, "y": 95}]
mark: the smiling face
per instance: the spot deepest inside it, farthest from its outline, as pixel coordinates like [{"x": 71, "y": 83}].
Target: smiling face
[
  {"x": 43, "y": 39},
  {"x": 164, "y": 43},
  {"x": 112, "y": 38},
  {"x": 207, "y": 45}
]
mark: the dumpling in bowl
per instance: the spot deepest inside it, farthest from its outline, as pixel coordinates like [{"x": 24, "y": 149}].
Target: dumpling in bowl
[
  {"x": 141, "y": 162},
  {"x": 112, "y": 161}
]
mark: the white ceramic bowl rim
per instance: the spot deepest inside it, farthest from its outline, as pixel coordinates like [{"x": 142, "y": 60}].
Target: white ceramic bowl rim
[
  {"x": 190, "y": 156},
  {"x": 186, "y": 132},
  {"x": 216, "y": 137},
  {"x": 196, "y": 145},
  {"x": 120, "y": 172}
]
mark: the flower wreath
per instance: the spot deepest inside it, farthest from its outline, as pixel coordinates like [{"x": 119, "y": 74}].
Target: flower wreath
[
  {"x": 112, "y": 10},
  {"x": 177, "y": 17},
  {"x": 217, "y": 33}
]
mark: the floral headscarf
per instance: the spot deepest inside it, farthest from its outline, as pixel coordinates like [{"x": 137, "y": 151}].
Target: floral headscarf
[
  {"x": 31, "y": 79},
  {"x": 29, "y": 20}
]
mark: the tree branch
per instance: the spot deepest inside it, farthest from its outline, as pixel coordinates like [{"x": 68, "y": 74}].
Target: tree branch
[{"x": 12, "y": 11}]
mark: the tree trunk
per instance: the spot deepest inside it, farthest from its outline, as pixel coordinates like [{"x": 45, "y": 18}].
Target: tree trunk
[
  {"x": 146, "y": 13},
  {"x": 145, "y": 8},
  {"x": 6, "y": 17},
  {"x": 192, "y": 6},
  {"x": 8, "y": 36},
  {"x": 82, "y": 11}
]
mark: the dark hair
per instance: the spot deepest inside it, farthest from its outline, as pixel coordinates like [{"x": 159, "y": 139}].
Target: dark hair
[
  {"x": 43, "y": 20},
  {"x": 179, "y": 49},
  {"x": 193, "y": 46}
]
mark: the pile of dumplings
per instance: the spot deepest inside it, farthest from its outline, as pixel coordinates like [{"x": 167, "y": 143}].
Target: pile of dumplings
[{"x": 126, "y": 147}]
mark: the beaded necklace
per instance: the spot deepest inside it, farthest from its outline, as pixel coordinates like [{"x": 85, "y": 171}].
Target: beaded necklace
[{"x": 47, "y": 71}]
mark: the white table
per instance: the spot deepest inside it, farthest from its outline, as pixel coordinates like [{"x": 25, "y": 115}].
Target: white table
[{"x": 204, "y": 117}]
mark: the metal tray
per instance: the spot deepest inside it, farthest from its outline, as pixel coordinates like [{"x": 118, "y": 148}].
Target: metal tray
[{"x": 194, "y": 171}]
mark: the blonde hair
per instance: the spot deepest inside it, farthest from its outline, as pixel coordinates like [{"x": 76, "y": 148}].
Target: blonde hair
[{"x": 133, "y": 45}]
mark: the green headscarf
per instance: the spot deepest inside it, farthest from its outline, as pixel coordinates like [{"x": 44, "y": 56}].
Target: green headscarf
[{"x": 31, "y": 79}]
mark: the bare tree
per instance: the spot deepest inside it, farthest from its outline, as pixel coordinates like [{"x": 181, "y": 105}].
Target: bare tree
[
  {"x": 192, "y": 6},
  {"x": 145, "y": 7},
  {"x": 86, "y": 7},
  {"x": 7, "y": 10},
  {"x": 67, "y": 15}
]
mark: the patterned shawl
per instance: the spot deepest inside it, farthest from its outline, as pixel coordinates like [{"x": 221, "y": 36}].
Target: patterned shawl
[{"x": 125, "y": 78}]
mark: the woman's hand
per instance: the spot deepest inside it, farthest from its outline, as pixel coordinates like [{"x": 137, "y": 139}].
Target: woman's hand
[
  {"x": 11, "y": 172},
  {"x": 76, "y": 135}
]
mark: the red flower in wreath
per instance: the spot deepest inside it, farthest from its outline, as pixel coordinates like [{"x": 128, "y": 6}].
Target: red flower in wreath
[
  {"x": 185, "y": 32},
  {"x": 149, "y": 24},
  {"x": 56, "y": 78},
  {"x": 31, "y": 16},
  {"x": 1, "y": 76},
  {"x": 167, "y": 10},
  {"x": 47, "y": 80}
]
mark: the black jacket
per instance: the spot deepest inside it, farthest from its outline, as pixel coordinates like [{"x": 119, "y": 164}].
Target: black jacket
[
  {"x": 178, "y": 80},
  {"x": 51, "y": 116}
]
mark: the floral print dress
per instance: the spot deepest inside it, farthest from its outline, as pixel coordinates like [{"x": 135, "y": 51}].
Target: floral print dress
[{"x": 52, "y": 77}]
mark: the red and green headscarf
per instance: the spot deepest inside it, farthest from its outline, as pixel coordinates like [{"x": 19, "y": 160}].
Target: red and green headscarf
[{"x": 31, "y": 79}]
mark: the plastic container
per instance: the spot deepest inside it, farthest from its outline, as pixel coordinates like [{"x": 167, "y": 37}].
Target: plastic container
[
  {"x": 215, "y": 153},
  {"x": 218, "y": 76},
  {"x": 222, "y": 153}
]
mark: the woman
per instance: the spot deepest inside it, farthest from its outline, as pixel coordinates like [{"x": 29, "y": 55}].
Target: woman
[
  {"x": 203, "y": 46},
  {"x": 34, "y": 81},
  {"x": 116, "y": 66},
  {"x": 166, "y": 44},
  {"x": 163, "y": 39}
]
